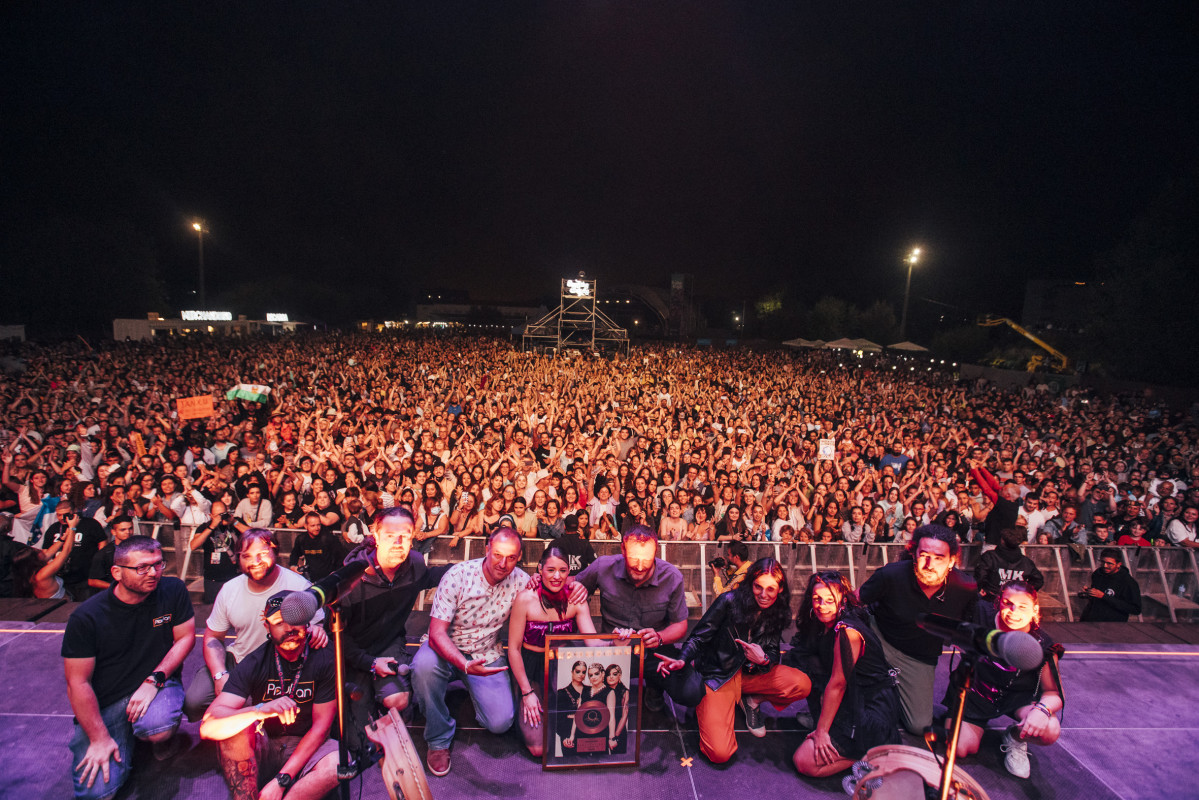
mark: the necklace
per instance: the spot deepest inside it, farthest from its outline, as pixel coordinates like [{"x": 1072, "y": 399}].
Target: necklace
[{"x": 288, "y": 691}]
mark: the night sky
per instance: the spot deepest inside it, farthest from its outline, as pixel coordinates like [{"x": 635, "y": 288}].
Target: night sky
[{"x": 496, "y": 146}]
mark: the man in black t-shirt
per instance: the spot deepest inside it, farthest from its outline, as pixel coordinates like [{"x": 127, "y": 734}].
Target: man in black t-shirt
[
  {"x": 89, "y": 537},
  {"x": 291, "y": 688},
  {"x": 217, "y": 539},
  {"x": 122, "y": 653},
  {"x": 316, "y": 551},
  {"x": 100, "y": 575},
  {"x": 897, "y": 593}
]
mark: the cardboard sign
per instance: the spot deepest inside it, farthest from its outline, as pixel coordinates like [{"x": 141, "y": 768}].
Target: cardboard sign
[
  {"x": 195, "y": 407},
  {"x": 827, "y": 450}
]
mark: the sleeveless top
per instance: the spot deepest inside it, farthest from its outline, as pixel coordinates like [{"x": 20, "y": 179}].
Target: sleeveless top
[{"x": 535, "y": 631}]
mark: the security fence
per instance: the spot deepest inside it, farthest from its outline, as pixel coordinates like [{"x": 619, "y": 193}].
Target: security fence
[{"x": 1168, "y": 576}]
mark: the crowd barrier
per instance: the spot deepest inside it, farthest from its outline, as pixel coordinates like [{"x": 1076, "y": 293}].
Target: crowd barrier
[{"x": 1168, "y": 576}]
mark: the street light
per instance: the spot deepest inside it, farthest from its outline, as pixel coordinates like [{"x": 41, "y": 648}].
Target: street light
[
  {"x": 198, "y": 226},
  {"x": 911, "y": 260}
]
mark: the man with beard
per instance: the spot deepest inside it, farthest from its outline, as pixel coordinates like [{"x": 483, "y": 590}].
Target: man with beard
[
  {"x": 931, "y": 583},
  {"x": 1113, "y": 593},
  {"x": 239, "y": 607},
  {"x": 375, "y": 612},
  {"x": 291, "y": 688}
]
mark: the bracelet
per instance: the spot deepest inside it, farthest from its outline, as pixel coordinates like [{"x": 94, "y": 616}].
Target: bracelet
[
  {"x": 526, "y": 694},
  {"x": 1043, "y": 708}
]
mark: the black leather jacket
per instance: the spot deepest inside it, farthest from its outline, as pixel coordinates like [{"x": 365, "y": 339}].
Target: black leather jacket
[{"x": 712, "y": 647}]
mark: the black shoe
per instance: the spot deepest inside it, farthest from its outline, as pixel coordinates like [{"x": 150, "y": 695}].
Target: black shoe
[{"x": 654, "y": 700}]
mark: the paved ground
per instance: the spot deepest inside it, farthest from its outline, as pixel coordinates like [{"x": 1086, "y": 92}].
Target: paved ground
[{"x": 1130, "y": 732}]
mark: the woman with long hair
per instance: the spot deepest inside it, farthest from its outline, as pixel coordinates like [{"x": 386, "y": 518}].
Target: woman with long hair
[
  {"x": 1031, "y": 697},
  {"x": 854, "y": 699},
  {"x": 732, "y": 528},
  {"x": 467, "y": 519},
  {"x": 35, "y": 572},
  {"x": 536, "y": 613},
  {"x": 735, "y": 647},
  {"x": 432, "y": 517},
  {"x": 618, "y": 710}
]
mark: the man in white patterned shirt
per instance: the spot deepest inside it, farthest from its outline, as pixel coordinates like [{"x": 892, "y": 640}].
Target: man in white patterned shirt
[{"x": 472, "y": 603}]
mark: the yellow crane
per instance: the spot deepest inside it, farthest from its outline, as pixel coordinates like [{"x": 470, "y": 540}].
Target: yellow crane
[{"x": 1060, "y": 362}]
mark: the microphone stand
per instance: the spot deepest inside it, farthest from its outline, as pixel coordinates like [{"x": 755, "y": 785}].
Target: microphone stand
[
  {"x": 349, "y": 765},
  {"x": 951, "y": 752}
]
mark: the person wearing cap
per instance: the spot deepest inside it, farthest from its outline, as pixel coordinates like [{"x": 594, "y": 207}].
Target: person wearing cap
[
  {"x": 290, "y": 687},
  {"x": 238, "y": 608},
  {"x": 472, "y": 604},
  {"x": 122, "y": 653},
  {"x": 89, "y": 538}
]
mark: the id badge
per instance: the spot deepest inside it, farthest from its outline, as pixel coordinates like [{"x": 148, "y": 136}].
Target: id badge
[{"x": 215, "y": 558}]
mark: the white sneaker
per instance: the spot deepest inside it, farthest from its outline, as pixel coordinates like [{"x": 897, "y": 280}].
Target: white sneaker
[{"x": 1016, "y": 758}]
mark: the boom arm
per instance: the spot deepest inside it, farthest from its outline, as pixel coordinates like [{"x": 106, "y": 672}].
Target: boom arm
[{"x": 1060, "y": 359}]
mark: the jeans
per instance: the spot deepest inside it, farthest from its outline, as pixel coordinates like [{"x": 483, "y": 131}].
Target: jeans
[
  {"x": 491, "y": 695},
  {"x": 163, "y": 714}
]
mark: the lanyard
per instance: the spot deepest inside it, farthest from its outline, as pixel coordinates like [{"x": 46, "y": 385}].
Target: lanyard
[{"x": 288, "y": 691}]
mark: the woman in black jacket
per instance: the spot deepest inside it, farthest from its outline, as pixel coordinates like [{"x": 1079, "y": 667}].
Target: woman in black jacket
[{"x": 735, "y": 647}]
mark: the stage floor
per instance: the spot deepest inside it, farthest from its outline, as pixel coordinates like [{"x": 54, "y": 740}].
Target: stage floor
[{"x": 1130, "y": 732}]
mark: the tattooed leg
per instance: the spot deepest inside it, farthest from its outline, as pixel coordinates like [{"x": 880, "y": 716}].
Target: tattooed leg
[{"x": 239, "y": 764}]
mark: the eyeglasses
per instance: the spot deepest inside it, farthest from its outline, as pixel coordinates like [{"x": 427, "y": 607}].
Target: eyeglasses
[{"x": 144, "y": 569}]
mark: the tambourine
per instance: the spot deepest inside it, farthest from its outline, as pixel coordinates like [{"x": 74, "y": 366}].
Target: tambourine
[
  {"x": 403, "y": 773},
  {"x": 889, "y": 772}
]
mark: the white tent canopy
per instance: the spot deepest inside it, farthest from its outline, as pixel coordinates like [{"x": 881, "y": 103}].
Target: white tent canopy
[
  {"x": 908, "y": 347},
  {"x": 867, "y": 345},
  {"x": 813, "y": 344}
]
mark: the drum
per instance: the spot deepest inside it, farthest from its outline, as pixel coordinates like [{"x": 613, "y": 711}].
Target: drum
[
  {"x": 888, "y": 772},
  {"x": 403, "y": 774}
]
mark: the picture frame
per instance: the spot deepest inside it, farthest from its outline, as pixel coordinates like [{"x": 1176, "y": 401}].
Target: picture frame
[{"x": 593, "y": 691}]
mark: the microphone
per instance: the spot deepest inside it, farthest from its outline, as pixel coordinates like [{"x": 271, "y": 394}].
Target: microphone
[
  {"x": 299, "y": 608},
  {"x": 1015, "y": 648}
]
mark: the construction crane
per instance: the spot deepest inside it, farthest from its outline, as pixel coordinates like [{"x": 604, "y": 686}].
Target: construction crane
[{"x": 1060, "y": 363}]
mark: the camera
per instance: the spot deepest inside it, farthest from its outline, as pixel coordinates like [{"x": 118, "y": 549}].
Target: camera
[
  {"x": 718, "y": 563},
  {"x": 227, "y": 517}
]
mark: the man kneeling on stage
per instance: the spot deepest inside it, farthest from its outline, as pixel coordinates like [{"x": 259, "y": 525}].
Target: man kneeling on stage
[{"x": 273, "y": 717}]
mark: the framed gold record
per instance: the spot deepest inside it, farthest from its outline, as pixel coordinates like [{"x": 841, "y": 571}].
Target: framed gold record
[{"x": 593, "y": 695}]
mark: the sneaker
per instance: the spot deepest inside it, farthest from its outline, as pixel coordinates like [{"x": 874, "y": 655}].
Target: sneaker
[
  {"x": 439, "y": 762},
  {"x": 753, "y": 718},
  {"x": 1016, "y": 758}
]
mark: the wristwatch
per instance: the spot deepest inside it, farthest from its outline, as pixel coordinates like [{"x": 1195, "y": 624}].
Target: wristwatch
[
  {"x": 158, "y": 678},
  {"x": 284, "y": 779},
  {"x": 220, "y": 675}
]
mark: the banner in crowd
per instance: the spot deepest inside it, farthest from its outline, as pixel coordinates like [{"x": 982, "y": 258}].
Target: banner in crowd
[
  {"x": 255, "y": 393},
  {"x": 195, "y": 407}
]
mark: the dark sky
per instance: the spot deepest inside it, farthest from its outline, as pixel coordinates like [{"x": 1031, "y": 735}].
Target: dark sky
[{"x": 497, "y": 146}]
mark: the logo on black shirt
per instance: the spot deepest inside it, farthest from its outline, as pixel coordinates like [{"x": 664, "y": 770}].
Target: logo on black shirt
[
  {"x": 303, "y": 693},
  {"x": 163, "y": 620}
]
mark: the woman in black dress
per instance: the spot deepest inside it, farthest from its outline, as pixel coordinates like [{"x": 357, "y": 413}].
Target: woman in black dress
[
  {"x": 854, "y": 699},
  {"x": 618, "y": 705},
  {"x": 570, "y": 697}
]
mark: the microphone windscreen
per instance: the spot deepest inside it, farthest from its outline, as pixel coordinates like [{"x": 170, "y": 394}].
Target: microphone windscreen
[
  {"x": 403, "y": 670},
  {"x": 299, "y": 608},
  {"x": 1020, "y": 650}
]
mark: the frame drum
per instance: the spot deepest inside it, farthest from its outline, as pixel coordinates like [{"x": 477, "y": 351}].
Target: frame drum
[
  {"x": 887, "y": 772},
  {"x": 403, "y": 773}
]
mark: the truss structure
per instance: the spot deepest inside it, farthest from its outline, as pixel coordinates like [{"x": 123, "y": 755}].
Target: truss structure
[{"x": 576, "y": 324}]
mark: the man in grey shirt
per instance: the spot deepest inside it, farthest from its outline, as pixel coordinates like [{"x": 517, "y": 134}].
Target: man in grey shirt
[{"x": 641, "y": 594}]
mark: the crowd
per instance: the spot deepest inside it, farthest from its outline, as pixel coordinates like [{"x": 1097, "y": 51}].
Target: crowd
[{"x": 411, "y": 439}]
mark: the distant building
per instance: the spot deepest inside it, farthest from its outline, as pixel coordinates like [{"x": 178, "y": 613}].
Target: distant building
[
  {"x": 12, "y": 333},
  {"x": 200, "y": 324},
  {"x": 1058, "y": 304}
]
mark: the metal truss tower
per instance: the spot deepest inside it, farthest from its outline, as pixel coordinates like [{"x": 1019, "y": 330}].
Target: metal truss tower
[{"x": 576, "y": 324}]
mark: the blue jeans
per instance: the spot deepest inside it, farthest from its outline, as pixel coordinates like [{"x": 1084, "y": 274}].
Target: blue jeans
[
  {"x": 163, "y": 714},
  {"x": 491, "y": 695}
]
